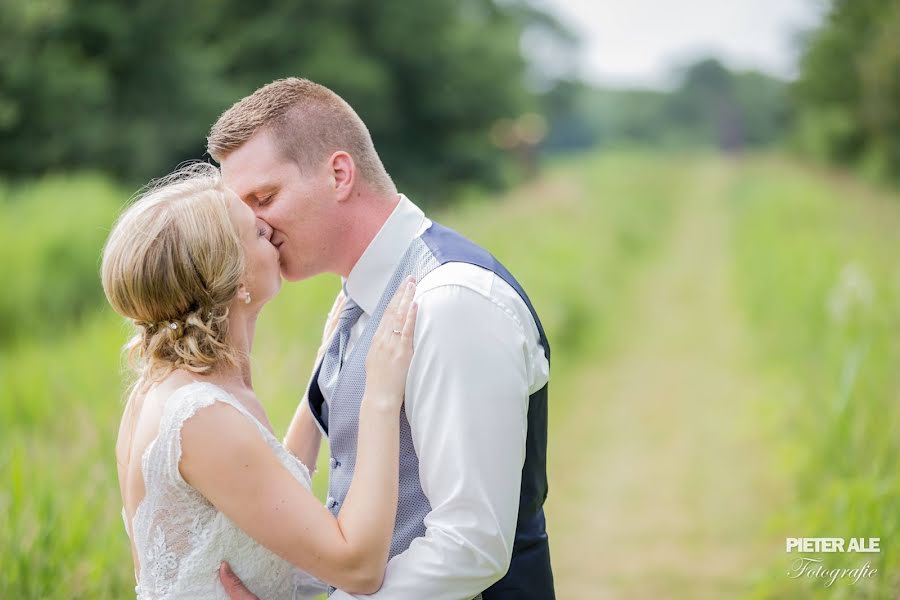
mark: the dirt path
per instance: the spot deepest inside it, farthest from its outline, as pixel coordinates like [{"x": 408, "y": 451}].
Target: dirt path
[{"x": 661, "y": 453}]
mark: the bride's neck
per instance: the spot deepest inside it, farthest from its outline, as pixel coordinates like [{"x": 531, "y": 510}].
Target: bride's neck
[{"x": 241, "y": 329}]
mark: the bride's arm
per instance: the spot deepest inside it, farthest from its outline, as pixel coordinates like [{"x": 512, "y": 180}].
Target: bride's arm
[
  {"x": 227, "y": 460},
  {"x": 303, "y": 437}
]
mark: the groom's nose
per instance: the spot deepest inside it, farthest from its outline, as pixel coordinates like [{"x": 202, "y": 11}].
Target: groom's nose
[{"x": 276, "y": 239}]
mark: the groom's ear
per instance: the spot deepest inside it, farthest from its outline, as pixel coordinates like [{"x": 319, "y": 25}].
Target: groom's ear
[{"x": 343, "y": 172}]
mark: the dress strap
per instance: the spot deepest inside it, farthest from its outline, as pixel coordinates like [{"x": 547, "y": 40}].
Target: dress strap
[{"x": 180, "y": 406}]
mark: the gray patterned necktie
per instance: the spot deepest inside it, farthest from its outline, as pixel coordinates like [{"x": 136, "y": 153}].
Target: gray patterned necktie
[{"x": 337, "y": 350}]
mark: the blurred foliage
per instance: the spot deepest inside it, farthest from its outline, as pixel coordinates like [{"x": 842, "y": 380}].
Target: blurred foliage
[
  {"x": 818, "y": 278},
  {"x": 816, "y": 275},
  {"x": 844, "y": 108},
  {"x": 132, "y": 87},
  {"x": 712, "y": 106},
  {"x": 61, "y": 534},
  {"x": 848, "y": 94},
  {"x": 52, "y": 232}
]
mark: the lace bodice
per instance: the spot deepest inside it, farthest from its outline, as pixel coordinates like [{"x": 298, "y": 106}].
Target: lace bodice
[{"x": 181, "y": 538}]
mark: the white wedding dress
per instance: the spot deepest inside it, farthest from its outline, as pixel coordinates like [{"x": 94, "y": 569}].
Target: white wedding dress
[{"x": 181, "y": 538}]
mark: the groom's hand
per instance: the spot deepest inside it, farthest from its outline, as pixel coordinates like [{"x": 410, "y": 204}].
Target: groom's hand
[{"x": 234, "y": 586}]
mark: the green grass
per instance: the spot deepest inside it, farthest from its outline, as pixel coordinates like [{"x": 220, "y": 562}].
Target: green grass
[
  {"x": 574, "y": 238},
  {"x": 816, "y": 260},
  {"x": 60, "y": 530},
  {"x": 50, "y": 231}
]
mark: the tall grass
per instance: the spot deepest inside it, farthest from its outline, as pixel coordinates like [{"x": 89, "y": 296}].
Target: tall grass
[
  {"x": 572, "y": 238},
  {"x": 49, "y": 235},
  {"x": 816, "y": 260}
]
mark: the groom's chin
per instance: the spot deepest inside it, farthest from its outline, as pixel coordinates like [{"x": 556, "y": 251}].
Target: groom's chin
[{"x": 290, "y": 275}]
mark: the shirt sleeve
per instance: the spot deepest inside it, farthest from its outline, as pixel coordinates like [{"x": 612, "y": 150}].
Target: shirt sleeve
[{"x": 467, "y": 404}]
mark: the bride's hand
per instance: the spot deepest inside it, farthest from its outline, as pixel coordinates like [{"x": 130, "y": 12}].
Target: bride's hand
[
  {"x": 390, "y": 353},
  {"x": 334, "y": 317}
]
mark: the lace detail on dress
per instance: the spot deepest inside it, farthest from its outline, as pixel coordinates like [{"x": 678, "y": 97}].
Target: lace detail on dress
[
  {"x": 161, "y": 562},
  {"x": 181, "y": 539}
]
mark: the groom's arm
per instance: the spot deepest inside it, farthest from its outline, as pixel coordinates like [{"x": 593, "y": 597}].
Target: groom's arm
[{"x": 467, "y": 403}]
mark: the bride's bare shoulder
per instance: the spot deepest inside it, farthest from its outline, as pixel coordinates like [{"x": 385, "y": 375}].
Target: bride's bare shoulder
[
  {"x": 143, "y": 411},
  {"x": 217, "y": 443}
]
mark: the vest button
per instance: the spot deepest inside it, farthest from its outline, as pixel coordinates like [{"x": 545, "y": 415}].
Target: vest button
[
  {"x": 331, "y": 502},
  {"x": 335, "y": 463}
]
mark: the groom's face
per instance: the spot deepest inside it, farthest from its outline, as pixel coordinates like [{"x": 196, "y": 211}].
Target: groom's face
[{"x": 299, "y": 207}]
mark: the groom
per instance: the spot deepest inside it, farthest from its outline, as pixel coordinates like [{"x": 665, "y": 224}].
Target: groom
[{"x": 473, "y": 435}]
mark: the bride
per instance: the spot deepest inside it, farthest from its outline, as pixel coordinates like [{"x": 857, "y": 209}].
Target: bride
[{"x": 203, "y": 478}]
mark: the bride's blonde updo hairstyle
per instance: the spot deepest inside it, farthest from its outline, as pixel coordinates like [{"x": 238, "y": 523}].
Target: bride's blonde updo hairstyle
[{"x": 173, "y": 264}]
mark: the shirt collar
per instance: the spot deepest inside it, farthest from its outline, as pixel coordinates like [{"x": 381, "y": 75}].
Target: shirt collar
[{"x": 371, "y": 273}]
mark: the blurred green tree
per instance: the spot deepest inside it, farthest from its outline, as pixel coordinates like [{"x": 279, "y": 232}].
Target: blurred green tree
[
  {"x": 132, "y": 87},
  {"x": 848, "y": 93},
  {"x": 710, "y": 106}
]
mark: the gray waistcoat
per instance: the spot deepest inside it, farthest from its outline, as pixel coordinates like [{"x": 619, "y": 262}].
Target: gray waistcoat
[
  {"x": 530, "y": 567},
  {"x": 343, "y": 417}
]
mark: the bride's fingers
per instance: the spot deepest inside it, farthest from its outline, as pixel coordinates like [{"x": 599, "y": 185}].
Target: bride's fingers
[
  {"x": 338, "y": 303},
  {"x": 409, "y": 327},
  {"x": 335, "y": 314},
  {"x": 403, "y": 307},
  {"x": 390, "y": 310}
]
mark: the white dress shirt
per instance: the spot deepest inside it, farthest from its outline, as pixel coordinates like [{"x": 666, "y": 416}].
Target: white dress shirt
[{"x": 477, "y": 359}]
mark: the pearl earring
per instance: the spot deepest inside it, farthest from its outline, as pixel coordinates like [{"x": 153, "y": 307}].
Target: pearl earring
[{"x": 247, "y": 298}]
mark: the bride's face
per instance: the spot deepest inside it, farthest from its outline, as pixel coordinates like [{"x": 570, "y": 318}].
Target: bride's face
[{"x": 262, "y": 278}]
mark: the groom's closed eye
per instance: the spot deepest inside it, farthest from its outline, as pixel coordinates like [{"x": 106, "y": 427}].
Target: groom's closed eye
[{"x": 264, "y": 200}]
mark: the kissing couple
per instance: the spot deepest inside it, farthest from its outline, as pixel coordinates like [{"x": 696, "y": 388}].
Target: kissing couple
[{"x": 430, "y": 382}]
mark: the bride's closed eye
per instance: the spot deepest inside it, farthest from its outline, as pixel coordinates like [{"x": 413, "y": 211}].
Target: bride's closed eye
[{"x": 263, "y": 229}]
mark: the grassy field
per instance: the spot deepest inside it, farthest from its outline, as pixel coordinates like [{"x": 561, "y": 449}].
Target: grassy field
[{"x": 725, "y": 374}]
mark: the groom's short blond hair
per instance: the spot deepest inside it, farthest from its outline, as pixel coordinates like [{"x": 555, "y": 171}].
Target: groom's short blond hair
[{"x": 308, "y": 123}]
